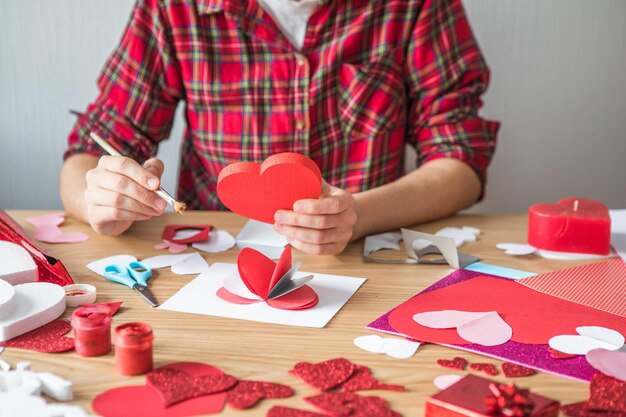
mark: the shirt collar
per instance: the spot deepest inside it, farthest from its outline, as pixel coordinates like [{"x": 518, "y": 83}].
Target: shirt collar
[{"x": 210, "y": 6}]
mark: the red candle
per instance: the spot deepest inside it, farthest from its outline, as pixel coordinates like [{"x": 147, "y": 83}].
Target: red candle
[
  {"x": 576, "y": 225},
  {"x": 133, "y": 348},
  {"x": 92, "y": 330}
]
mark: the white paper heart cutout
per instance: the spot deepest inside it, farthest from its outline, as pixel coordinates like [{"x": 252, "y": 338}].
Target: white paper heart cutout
[
  {"x": 461, "y": 236},
  {"x": 396, "y": 348},
  {"x": 219, "y": 241},
  {"x": 16, "y": 264},
  {"x": 588, "y": 338},
  {"x": 164, "y": 261},
  {"x": 99, "y": 265},
  {"x": 193, "y": 264},
  {"x": 36, "y": 304},
  {"x": 444, "y": 381},
  {"x": 483, "y": 328},
  {"x": 609, "y": 362},
  {"x": 516, "y": 249}
]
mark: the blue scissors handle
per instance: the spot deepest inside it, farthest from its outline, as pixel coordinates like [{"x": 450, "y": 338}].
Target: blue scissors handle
[
  {"x": 119, "y": 274},
  {"x": 140, "y": 272}
]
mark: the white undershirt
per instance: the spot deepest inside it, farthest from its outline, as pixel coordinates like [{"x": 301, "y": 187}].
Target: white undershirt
[{"x": 291, "y": 16}]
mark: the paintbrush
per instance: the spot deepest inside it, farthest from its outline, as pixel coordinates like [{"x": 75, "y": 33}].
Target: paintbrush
[{"x": 178, "y": 206}]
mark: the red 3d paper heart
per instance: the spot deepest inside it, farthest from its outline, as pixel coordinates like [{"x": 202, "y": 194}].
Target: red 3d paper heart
[
  {"x": 261, "y": 279},
  {"x": 257, "y": 191},
  {"x": 48, "y": 338},
  {"x": 181, "y": 233},
  {"x": 324, "y": 375},
  {"x": 174, "y": 386},
  {"x": 143, "y": 401},
  {"x": 247, "y": 393}
]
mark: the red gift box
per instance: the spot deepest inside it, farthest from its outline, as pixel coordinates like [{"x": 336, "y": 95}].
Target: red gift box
[{"x": 473, "y": 395}]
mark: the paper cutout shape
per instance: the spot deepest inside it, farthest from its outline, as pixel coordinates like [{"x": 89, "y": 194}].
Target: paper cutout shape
[
  {"x": 483, "y": 328},
  {"x": 362, "y": 380},
  {"x": 516, "y": 249},
  {"x": 262, "y": 237},
  {"x": 49, "y": 338},
  {"x": 598, "y": 285},
  {"x": 418, "y": 244},
  {"x": 199, "y": 297},
  {"x": 280, "y": 411},
  {"x": 444, "y": 381},
  {"x": 588, "y": 338},
  {"x": 218, "y": 241},
  {"x": 609, "y": 362},
  {"x": 164, "y": 261},
  {"x": 47, "y": 229},
  {"x": 99, "y": 265},
  {"x": 247, "y": 394},
  {"x": 461, "y": 235},
  {"x": 54, "y": 219},
  {"x": 122, "y": 402},
  {"x": 16, "y": 264},
  {"x": 184, "y": 234},
  {"x": 269, "y": 281},
  {"x": 174, "y": 386},
  {"x": 349, "y": 403},
  {"x": 192, "y": 264},
  {"x": 486, "y": 368},
  {"x": 325, "y": 375},
  {"x": 257, "y": 191},
  {"x": 511, "y": 370},
  {"x": 36, "y": 304},
  {"x": 171, "y": 246},
  {"x": 7, "y": 298},
  {"x": 457, "y": 363},
  {"x": 396, "y": 348}
]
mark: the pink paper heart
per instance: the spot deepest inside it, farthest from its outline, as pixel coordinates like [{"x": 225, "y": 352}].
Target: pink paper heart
[
  {"x": 609, "y": 362},
  {"x": 50, "y": 233},
  {"x": 55, "y": 219},
  {"x": 171, "y": 246},
  {"x": 483, "y": 328}
]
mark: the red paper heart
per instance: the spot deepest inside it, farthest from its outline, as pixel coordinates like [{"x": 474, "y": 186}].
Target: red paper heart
[
  {"x": 278, "y": 411},
  {"x": 143, "y": 401},
  {"x": 203, "y": 233},
  {"x": 456, "y": 363},
  {"x": 48, "y": 338},
  {"x": 362, "y": 380},
  {"x": 247, "y": 393},
  {"x": 340, "y": 404},
  {"x": 257, "y": 191},
  {"x": 324, "y": 375},
  {"x": 300, "y": 299},
  {"x": 511, "y": 370},
  {"x": 174, "y": 386},
  {"x": 256, "y": 270},
  {"x": 487, "y": 368}
]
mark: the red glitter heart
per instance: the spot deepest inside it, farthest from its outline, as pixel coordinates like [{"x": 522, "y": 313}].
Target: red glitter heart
[
  {"x": 324, "y": 375},
  {"x": 48, "y": 338},
  {"x": 362, "y": 380},
  {"x": 456, "y": 363},
  {"x": 487, "y": 368},
  {"x": 278, "y": 411},
  {"x": 511, "y": 370},
  {"x": 341, "y": 404},
  {"x": 247, "y": 393},
  {"x": 607, "y": 393},
  {"x": 555, "y": 354},
  {"x": 174, "y": 386}
]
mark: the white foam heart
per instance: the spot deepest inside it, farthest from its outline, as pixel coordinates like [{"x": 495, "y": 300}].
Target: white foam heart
[
  {"x": 16, "y": 264},
  {"x": 396, "y": 348},
  {"x": 164, "y": 261},
  {"x": 447, "y": 380},
  {"x": 516, "y": 249},
  {"x": 99, "y": 265},
  {"x": 7, "y": 298},
  {"x": 193, "y": 264},
  {"x": 219, "y": 241},
  {"x": 36, "y": 304},
  {"x": 588, "y": 338},
  {"x": 460, "y": 235},
  {"x": 16, "y": 403}
]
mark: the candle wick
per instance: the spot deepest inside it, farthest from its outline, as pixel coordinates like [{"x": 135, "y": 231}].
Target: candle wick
[{"x": 575, "y": 205}]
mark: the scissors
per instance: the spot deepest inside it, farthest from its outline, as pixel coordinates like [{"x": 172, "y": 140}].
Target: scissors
[{"x": 134, "y": 275}]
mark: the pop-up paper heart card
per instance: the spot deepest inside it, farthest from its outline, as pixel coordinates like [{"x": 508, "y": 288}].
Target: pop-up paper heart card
[
  {"x": 261, "y": 279},
  {"x": 257, "y": 191}
]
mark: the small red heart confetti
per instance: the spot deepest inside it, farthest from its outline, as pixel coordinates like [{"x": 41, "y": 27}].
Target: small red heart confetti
[
  {"x": 278, "y": 411},
  {"x": 48, "y": 338},
  {"x": 487, "y": 368},
  {"x": 362, "y": 380},
  {"x": 456, "y": 363},
  {"x": 324, "y": 375},
  {"x": 341, "y": 404},
  {"x": 555, "y": 354},
  {"x": 511, "y": 370},
  {"x": 247, "y": 393},
  {"x": 174, "y": 386}
]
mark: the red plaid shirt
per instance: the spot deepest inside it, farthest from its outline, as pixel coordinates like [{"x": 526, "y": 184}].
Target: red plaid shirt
[{"x": 371, "y": 77}]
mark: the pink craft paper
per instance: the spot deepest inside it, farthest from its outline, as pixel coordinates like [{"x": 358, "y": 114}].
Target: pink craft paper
[
  {"x": 171, "y": 246},
  {"x": 609, "y": 362},
  {"x": 55, "y": 219},
  {"x": 483, "y": 328},
  {"x": 50, "y": 233},
  {"x": 535, "y": 356},
  {"x": 598, "y": 285}
]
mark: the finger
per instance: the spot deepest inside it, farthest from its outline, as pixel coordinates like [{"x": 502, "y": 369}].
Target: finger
[
  {"x": 313, "y": 236},
  {"x": 107, "y": 198},
  {"x": 124, "y": 185},
  {"x": 313, "y": 221},
  {"x": 326, "y": 205},
  {"x": 326, "y": 249},
  {"x": 326, "y": 187},
  {"x": 130, "y": 169},
  {"x": 155, "y": 166},
  {"x": 103, "y": 214}
]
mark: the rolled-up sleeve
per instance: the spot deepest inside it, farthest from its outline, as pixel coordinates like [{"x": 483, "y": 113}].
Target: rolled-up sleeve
[
  {"x": 139, "y": 89},
  {"x": 447, "y": 74}
]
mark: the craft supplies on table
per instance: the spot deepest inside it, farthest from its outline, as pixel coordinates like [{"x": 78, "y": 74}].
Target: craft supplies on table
[
  {"x": 92, "y": 330},
  {"x": 133, "y": 348}
]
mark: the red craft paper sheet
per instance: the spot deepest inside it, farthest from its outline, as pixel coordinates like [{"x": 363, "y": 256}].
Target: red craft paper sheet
[
  {"x": 600, "y": 285},
  {"x": 535, "y": 317}
]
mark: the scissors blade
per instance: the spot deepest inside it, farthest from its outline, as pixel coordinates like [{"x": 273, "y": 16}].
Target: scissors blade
[{"x": 146, "y": 295}]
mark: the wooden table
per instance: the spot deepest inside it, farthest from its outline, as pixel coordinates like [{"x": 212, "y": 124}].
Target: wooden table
[{"x": 250, "y": 350}]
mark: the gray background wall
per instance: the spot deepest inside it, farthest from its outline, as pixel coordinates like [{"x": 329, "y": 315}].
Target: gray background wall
[{"x": 558, "y": 86}]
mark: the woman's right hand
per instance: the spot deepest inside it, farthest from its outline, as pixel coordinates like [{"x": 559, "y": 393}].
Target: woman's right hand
[{"x": 120, "y": 191}]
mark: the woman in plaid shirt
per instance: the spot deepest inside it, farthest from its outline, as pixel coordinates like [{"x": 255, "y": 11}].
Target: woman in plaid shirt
[{"x": 362, "y": 80}]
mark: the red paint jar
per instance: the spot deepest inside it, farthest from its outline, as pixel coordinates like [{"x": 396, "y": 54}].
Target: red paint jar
[
  {"x": 133, "y": 348},
  {"x": 92, "y": 330}
]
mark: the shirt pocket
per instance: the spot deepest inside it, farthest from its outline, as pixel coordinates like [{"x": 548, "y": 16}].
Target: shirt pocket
[{"x": 372, "y": 97}]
